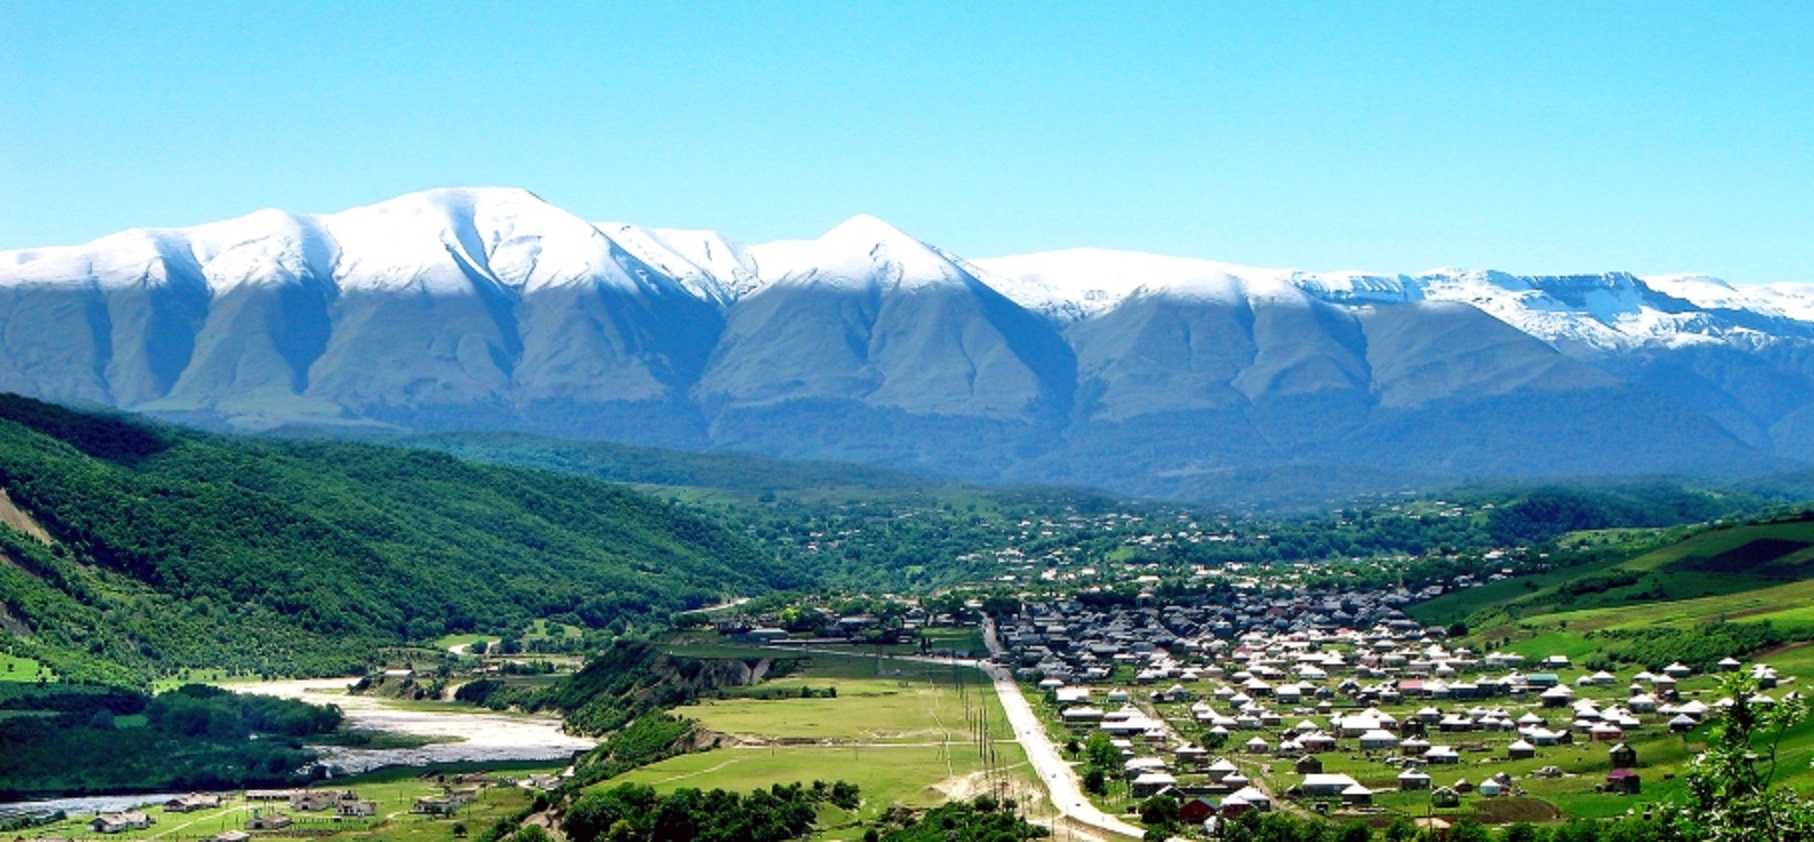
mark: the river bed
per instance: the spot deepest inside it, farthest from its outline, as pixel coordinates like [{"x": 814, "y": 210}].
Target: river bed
[{"x": 476, "y": 734}]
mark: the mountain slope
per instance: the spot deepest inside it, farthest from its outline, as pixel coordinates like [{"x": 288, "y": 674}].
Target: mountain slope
[
  {"x": 325, "y": 548},
  {"x": 489, "y": 309},
  {"x": 866, "y": 328}
]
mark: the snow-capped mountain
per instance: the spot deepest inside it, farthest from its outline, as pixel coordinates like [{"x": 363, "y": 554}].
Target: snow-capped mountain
[
  {"x": 1606, "y": 312},
  {"x": 489, "y": 308}
]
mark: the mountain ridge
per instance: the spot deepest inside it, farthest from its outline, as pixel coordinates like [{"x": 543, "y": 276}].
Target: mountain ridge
[{"x": 488, "y": 308}]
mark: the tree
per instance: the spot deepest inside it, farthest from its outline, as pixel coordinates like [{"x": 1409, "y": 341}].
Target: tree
[
  {"x": 1401, "y": 830},
  {"x": 1730, "y": 784},
  {"x": 1521, "y": 832},
  {"x": 1468, "y": 830}
]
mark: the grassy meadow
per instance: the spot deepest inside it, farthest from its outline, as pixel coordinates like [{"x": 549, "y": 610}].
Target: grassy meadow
[{"x": 896, "y": 728}]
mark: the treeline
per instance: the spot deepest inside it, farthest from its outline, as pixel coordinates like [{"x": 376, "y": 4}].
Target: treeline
[
  {"x": 1700, "y": 647},
  {"x": 982, "y": 820},
  {"x": 70, "y": 740},
  {"x": 635, "y": 813}
]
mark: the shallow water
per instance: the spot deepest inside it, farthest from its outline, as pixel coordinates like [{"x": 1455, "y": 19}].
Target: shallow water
[{"x": 482, "y": 735}]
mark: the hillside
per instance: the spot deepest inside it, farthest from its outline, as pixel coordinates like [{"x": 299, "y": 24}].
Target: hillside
[
  {"x": 175, "y": 548},
  {"x": 1692, "y": 594}
]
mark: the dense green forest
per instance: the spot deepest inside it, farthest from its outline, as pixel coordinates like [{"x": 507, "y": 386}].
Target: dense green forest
[
  {"x": 62, "y": 739},
  {"x": 177, "y": 548}
]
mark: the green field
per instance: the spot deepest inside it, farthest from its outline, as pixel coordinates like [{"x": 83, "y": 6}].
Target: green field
[
  {"x": 16, "y": 668},
  {"x": 897, "y": 729},
  {"x": 1708, "y": 566},
  {"x": 447, "y": 642}
]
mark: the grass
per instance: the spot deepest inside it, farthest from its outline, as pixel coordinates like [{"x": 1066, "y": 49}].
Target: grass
[
  {"x": 447, "y": 642},
  {"x": 1709, "y": 563},
  {"x": 394, "y": 791},
  {"x": 897, "y": 729},
  {"x": 1788, "y": 606},
  {"x": 23, "y": 669},
  {"x": 909, "y": 775},
  {"x": 874, "y": 710}
]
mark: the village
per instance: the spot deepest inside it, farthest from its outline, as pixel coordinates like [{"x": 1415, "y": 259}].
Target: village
[{"x": 1343, "y": 706}]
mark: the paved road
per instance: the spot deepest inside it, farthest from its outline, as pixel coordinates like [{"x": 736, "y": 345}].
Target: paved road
[{"x": 1062, "y": 783}]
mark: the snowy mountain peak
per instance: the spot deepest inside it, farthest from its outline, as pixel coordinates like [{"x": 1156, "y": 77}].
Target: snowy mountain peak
[
  {"x": 1084, "y": 282},
  {"x": 708, "y": 264},
  {"x": 442, "y": 241},
  {"x": 459, "y": 240},
  {"x": 447, "y": 240},
  {"x": 861, "y": 252}
]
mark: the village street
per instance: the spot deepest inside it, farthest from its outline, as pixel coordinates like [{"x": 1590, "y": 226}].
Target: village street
[{"x": 1062, "y": 783}]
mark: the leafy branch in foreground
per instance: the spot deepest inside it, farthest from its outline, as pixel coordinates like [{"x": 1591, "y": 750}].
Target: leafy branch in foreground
[{"x": 1731, "y": 796}]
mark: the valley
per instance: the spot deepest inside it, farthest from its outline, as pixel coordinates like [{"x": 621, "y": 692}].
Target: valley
[
  {"x": 1159, "y": 422},
  {"x": 1085, "y": 666}
]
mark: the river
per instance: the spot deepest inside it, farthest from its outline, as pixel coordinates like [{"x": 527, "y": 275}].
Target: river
[{"x": 476, "y": 735}]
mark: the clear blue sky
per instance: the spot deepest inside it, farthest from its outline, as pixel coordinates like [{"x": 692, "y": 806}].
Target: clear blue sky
[{"x": 1386, "y": 136}]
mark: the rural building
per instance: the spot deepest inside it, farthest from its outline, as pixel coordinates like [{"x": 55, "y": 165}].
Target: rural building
[
  {"x": 268, "y": 821},
  {"x": 1623, "y": 781},
  {"x": 1325, "y": 785},
  {"x": 191, "y": 802},
  {"x": 119, "y": 822}
]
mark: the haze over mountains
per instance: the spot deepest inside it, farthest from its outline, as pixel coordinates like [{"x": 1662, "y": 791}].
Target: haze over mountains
[{"x": 491, "y": 309}]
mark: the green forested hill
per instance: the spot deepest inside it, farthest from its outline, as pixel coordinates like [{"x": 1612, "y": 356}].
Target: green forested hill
[{"x": 180, "y": 548}]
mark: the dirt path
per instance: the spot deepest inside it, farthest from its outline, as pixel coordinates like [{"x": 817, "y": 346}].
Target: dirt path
[
  {"x": 707, "y": 771},
  {"x": 200, "y": 820}
]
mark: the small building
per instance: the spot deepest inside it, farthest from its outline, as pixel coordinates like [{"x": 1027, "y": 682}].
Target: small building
[
  {"x": 1413, "y": 779},
  {"x": 1152, "y": 783},
  {"x": 1357, "y": 795},
  {"x": 1309, "y": 764},
  {"x": 268, "y": 821},
  {"x": 1326, "y": 785},
  {"x": 435, "y": 805},
  {"x": 1378, "y": 739},
  {"x": 1622, "y": 756},
  {"x": 357, "y": 809},
  {"x": 1520, "y": 750},
  {"x": 1220, "y": 769},
  {"x": 1196, "y": 810},
  {"x": 119, "y": 822},
  {"x": 1443, "y": 797},
  {"x": 192, "y": 802},
  {"x": 1253, "y": 796},
  {"x": 1623, "y": 782}
]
